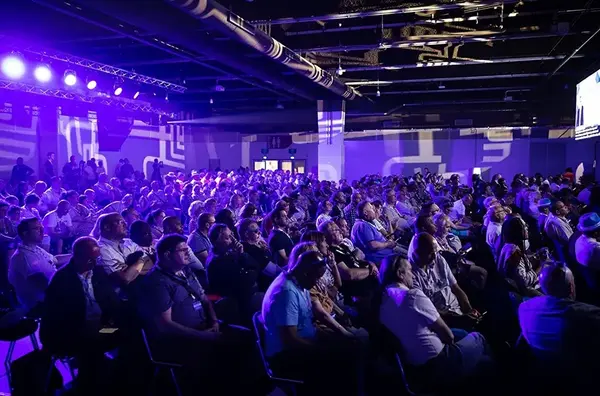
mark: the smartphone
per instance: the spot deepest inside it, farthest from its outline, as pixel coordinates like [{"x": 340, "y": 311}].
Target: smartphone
[
  {"x": 467, "y": 248},
  {"x": 107, "y": 330}
]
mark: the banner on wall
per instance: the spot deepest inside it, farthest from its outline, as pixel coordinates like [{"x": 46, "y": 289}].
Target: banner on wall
[{"x": 18, "y": 136}]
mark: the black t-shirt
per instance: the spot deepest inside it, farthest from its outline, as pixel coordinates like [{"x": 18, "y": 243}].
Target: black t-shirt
[
  {"x": 279, "y": 240},
  {"x": 232, "y": 275}
]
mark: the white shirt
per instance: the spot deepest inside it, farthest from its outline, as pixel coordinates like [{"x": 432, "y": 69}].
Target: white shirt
[
  {"x": 322, "y": 219},
  {"x": 458, "y": 210},
  {"x": 51, "y": 197},
  {"x": 405, "y": 208},
  {"x": 558, "y": 229},
  {"x": 494, "y": 230},
  {"x": 29, "y": 260},
  {"x": 587, "y": 252},
  {"x": 52, "y": 221},
  {"x": 113, "y": 254},
  {"x": 437, "y": 284},
  {"x": 408, "y": 314}
]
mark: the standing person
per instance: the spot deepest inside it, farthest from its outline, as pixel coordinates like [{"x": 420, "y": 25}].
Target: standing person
[
  {"x": 49, "y": 172},
  {"x": 156, "y": 176},
  {"x": 20, "y": 172},
  {"x": 71, "y": 173}
]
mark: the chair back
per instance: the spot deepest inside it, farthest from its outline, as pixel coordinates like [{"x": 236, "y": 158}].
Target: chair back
[
  {"x": 388, "y": 343},
  {"x": 259, "y": 332},
  {"x": 151, "y": 357}
]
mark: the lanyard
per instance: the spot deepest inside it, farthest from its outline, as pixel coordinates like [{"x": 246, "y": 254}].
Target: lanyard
[{"x": 184, "y": 282}]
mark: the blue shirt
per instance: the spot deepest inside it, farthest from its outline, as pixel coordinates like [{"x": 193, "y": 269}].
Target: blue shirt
[
  {"x": 364, "y": 232},
  {"x": 286, "y": 304}
]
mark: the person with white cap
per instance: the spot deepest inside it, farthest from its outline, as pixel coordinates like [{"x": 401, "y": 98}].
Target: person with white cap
[{"x": 587, "y": 247}]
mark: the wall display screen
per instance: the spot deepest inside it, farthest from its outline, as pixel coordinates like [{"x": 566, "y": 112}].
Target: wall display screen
[{"x": 587, "y": 114}]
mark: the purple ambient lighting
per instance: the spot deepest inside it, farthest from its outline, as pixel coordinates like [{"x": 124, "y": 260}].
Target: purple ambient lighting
[
  {"x": 135, "y": 95},
  {"x": 91, "y": 84},
  {"x": 42, "y": 73},
  {"x": 13, "y": 67},
  {"x": 118, "y": 91}
]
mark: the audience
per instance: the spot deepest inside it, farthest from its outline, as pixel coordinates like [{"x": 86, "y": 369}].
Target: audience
[{"x": 316, "y": 255}]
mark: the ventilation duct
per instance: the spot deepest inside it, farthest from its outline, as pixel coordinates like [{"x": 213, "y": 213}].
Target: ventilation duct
[{"x": 219, "y": 18}]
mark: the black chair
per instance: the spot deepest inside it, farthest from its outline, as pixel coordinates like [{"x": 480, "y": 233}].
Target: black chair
[
  {"x": 259, "y": 331},
  {"x": 159, "y": 365},
  {"x": 391, "y": 349},
  {"x": 24, "y": 327}
]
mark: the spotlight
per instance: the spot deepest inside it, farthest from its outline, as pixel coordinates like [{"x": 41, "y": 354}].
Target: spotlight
[
  {"x": 340, "y": 71},
  {"x": 135, "y": 95},
  {"x": 13, "y": 67},
  {"x": 92, "y": 84},
  {"x": 70, "y": 78},
  {"x": 292, "y": 157},
  {"x": 211, "y": 101},
  {"x": 118, "y": 91},
  {"x": 378, "y": 93},
  {"x": 42, "y": 73},
  {"x": 264, "y": 157}
]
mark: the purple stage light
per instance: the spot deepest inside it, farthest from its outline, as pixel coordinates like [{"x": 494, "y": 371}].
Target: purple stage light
[
  {"x": 92, "y": 84},
  {"x": 70, "y": 78},
  {"x": 118, "y": 91},
  {"x": 42, "y": 73},
  {"x": 135, "y": 95},
  {"x": 13, "y": 67}
]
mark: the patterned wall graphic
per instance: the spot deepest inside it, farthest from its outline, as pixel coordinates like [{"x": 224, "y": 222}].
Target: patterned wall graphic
[
  {"x": 18, "y": 137},
  {"x": 79, "y": 137}
]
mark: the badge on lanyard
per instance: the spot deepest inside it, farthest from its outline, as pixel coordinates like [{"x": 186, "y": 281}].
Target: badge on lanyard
[{"x": 197, "y": 304}]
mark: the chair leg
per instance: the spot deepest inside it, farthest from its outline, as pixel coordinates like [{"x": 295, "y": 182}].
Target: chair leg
[
  {"x": 8, "y": 360},
  {"x": 175, "y": 382},
  {"x": 34, "y": 342},
  {"x": 49, "y": 375}
]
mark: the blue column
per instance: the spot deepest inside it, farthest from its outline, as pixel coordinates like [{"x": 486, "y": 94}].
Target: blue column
[{"x": 331, "y": 116}]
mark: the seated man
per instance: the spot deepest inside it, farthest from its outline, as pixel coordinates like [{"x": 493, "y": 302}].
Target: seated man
[
  {"x": 58, "y": 225},
  {"x": 291, "y": 341},
  {"x": 115, "y": 250},
  {"x": 433, "y": 276},
  {"x": 560, "y": 331},
  {"x": 367, "y": 238},
  {"x": 198, "y": 239},
  {"x": 173, "y": 225},
  {"x": 558, "y": 228},
  {"x": 181, "y": 321},
  {"x": 31, "y": 267},
  {"x": 426, "y": 339},
  {"x": 79, "y": 304}
]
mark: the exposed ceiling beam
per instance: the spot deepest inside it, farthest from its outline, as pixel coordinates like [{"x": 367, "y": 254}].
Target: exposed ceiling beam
[
  {"x": 433, "y": 21},
  {"x": 169, "y": 61},
  {"x": 443, "y": 91},
  {"x": 437, "y": 64},
  {"x": 441, "y": 39},
  {"x": 438, "y": 79},
  {"x": 134, "y": 33},
  {"x": 227, "y": 90},
  {"x": 470, "y": 5}
]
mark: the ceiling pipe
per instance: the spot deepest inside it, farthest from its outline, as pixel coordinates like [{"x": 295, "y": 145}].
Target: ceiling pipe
[
  {"x": 219, "y": 18},
  {"x": 438, "y": 79},
  {"x": 432, "y": 40},
  {"x": 148, "y": 40},
  {"x": 471, "y": 5},
  {"x": 444, "y": 90},
  {"x": 435, "y": 21},
  {"x": 479, "y": 62}
]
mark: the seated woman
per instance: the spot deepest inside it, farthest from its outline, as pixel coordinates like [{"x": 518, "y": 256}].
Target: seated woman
[
  {"x": 331, "y": 281},
  {"x": 155, "y": 220},
  {"x": 426, "y": 341},
  {"x": 257, "y": 248},
  {"x": 513, "y": 262}
]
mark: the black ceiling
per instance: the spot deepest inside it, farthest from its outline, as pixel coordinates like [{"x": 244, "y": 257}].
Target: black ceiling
[{"x": 498, "y": 60}]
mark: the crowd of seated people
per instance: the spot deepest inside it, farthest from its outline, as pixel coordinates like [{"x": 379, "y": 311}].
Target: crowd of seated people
[{"x": 338, "y": 271}]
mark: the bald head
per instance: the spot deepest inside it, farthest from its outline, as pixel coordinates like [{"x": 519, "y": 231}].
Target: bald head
[
  {"x": 557, "y": 280},
  {"x": 422, "y": 249},
  {"x": 85, "y": 253}
]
